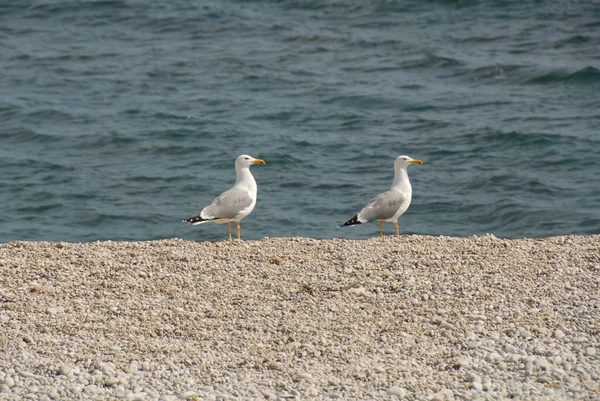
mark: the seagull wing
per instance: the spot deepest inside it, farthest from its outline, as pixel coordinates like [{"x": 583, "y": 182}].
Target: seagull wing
[
  {"x": 228, "y": 205},
  {"x": 383, "y": 206}
]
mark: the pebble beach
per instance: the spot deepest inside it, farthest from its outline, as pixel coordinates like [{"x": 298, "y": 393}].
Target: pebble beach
[{"x": 415, "y": 318}]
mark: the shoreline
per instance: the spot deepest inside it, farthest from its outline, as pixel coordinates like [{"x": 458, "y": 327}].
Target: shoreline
[
  {"x": 299, "y": 238},
  {"x": 415, "y": 317}
]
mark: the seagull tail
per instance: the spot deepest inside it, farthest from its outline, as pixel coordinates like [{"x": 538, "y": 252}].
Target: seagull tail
[
  {"x": 353, "y": 221},
  {"x": 195, "y": 220}
]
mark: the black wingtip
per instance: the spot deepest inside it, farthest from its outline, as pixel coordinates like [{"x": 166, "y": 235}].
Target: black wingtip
[
  {"x": 192, "y": 220},
  {"x": 353, "y": 221}
]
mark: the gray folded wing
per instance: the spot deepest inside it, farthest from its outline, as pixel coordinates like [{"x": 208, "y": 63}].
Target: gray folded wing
[
  {"x": 228, "y": 205},
  {"x": 382, "y": 207}
]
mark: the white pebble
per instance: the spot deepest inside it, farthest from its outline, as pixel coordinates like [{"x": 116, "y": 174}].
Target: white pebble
[
  {"x": 397, "y": 391},
  {"x": 474, "y": 378},
  {"x": 446, "y": 325},
  {"x": 542, "y": 363},
  {"x": 493, "y": 357},
  {"x": 591, "y": 351},
  {"x": 558, "y": 334},
  {"x": 361, "y": 291},
  {"x": 188, "y": 395},
  {"x": 304, "y": 376},
  {"x": 572, "y": 380},
  {"x": 111, "y": 381},
  {"x": 463, "y": 362},
  {"x": 523, "y": 332},
  {"x": 133, "y": 367},
  {"x": 64, "y": 370}
]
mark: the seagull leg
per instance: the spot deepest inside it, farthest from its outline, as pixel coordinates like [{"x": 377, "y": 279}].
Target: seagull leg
[
  {"x": 229, "y": 232},
  {"x": 239, "y": 230},
  {"x": 381, "y": 228},
  {"x": 397, "y": 229}
]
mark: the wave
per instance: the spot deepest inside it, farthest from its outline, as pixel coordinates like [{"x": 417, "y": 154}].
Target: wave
[
  {"x": 480, "y": 38},
  {"x": 521, "y": 74},
  {"x": 431, "y": 60},
  {"x": 489, "y": 74},
  {"x": 504, "y": 217},
  {"x": 508, "y": 182},
  {"x": 60, "y": 8},
  {"x": 510, "y": 139},
  {"x": 30, "y": 212},
  {"x": 276, "y": 116},
  {"x": 49, "y": 115},
  {"x": 587, "y": 75},
  {"x": 420, "y": 61},
  {"x": 174, "y": 150},
  {"x": 99, "y": 219},
  {"x": 574, "y": 40},
  {"x": 110, "y": 140},
  {"x": 29, "y": 136}
]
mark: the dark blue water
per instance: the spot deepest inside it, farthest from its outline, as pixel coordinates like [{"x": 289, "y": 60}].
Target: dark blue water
[{"x": 120, "y": 118}]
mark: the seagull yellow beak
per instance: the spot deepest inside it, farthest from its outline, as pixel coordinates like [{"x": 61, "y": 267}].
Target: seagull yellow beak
[
  {"x": 258, "y": 161},
  {"x": 416, "y": 162}
]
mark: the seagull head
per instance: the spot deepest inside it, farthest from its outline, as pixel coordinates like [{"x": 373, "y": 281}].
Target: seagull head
[
  {"x": 247, "y": 161},
  {"x": 405, "y": 161}
]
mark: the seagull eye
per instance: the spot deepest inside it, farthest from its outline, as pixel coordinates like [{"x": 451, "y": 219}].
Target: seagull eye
[{"x": 247, "y": 158}]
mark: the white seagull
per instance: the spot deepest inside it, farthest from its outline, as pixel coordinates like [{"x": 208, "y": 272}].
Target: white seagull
[
  {"x": 235, "y": 204},
  {"x": 391, "y": 204}
]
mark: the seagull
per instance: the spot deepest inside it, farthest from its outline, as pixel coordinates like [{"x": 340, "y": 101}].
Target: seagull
[
  {"x": 235, "y": 204},
  {"x": 388, "y": 206}
]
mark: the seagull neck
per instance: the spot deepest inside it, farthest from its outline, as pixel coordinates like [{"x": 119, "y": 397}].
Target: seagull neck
[
  {"x": 244, "y": 178},
  {"x": 401, "y": 177}
]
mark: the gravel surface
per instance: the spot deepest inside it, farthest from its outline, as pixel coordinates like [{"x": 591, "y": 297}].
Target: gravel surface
[{"x": 427, "y": 318}]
